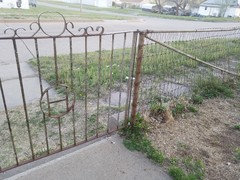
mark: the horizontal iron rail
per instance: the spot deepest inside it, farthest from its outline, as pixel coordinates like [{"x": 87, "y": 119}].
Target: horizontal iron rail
[
  {"x": 191, "y": 31},
  {"x": 192, "y": 57},
  {"x": 66, "y": 36},
  {"x": 119, "y": 32}
]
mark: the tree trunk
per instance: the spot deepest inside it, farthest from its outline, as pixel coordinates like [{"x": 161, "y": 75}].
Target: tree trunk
[{"x": 177, "y": 10}]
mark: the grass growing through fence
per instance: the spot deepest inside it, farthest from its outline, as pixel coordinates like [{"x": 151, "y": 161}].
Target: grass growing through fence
[
  {"x": 79, "y": 76},
  {"x": 211, "y": 87},
  {"x": 158, "y": 62},
  {"x": 135, "y": 139}
]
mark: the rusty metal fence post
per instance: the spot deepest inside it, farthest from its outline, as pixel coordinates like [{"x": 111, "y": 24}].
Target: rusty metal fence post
[
  {"x": 131, "y": 74},
  {"x": 137, "y": 77}
]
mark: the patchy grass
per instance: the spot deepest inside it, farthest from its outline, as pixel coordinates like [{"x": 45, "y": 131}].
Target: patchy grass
[
  {"x": 237, "y": 154},
  {"x": 197, "y": 99},
  {"x": 190, "y": 153},
  {"x": 135, "y": 139},
  {"x": 79, "y": 76},
  {"x": 211, "y": 87},
  {"x": 157, "y": 108},
  {"x": 196, "y": 168},
  {"x": 37, "y": 127},
  {"x": 192, "y": 109},
  {"x": 178, "y": 109},
  {"x": 237, "y": 127},
  {"x": 161, "y": 64}
]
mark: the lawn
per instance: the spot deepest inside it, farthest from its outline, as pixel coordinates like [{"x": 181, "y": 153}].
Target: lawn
[
  {"x": 139, "y": 12},
  {"x": 165, "y": 63},
  {"x": 32, "y": 14}
]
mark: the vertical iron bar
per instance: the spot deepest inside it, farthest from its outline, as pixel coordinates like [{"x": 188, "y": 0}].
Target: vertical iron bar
[
  {"x": 131, "y": 69},
  {"x": 8, "y": 121},
  {"x": 55, "y": 59},
  {"x": 60, "y": 132},
  {"x": 67, "y": 99},
  {"x": 23, "y": 96},
  {"x": 72, "y": 88},
  {"x": 110, "y": 84},
  {"x": 137, "y": 77},
  {"x": 99, "y": 82},
  {"x": 86, "y": 88},
  {"x": 71, "y": 62},
  {"x": 74, "y": 127},
  {"x": 41, "y": 89},
  {"x": 48, "y": 103},
  {"x": 39, "y": 66},
  {"x": 121, "y": 69}
]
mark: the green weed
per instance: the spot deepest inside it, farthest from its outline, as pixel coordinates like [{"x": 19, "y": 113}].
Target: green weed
[
  {"x": 192, "y": 109},
  {"x": 237, "y": 127},
  {"x": 197, "y": 99},
  {"x": 135, "y": 139},
  {"x": 212, "y": 87},
  {"x": 178, "y": 109},
  {"x": 237, "y": 154},
  {"x": 157, "y": 109},
  {"x": 194, "y": 170}
]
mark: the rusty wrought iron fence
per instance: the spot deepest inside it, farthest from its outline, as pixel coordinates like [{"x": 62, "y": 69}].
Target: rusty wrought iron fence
[
  {"x": 62, "y": 89},
  {"x": 69, "y": 87}
]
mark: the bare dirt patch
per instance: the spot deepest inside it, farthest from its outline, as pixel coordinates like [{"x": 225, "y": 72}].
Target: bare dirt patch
[{"x": 207, "y": 135}]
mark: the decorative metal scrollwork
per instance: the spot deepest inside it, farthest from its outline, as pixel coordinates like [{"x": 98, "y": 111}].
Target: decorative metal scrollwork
[
  {"x": 57, "y": 108},
  {"x": 37, "y": 27}
]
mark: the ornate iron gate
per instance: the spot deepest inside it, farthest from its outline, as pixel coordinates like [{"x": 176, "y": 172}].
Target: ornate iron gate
[{"x": 67, "y": 88}]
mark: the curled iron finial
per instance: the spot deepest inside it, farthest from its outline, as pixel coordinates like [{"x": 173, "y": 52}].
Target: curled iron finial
[
  {"x": 31, "y": 28},
  {"x": 89, "y": 30},
  {"x": 82, "y": 31},
  {"x": 67, "y": 28},
  {"x": 100, "y": 29},
  {"x": 14, "y": 31},
  {"x": 72, "y": 27},
  {"x": 45, "y": 31}
]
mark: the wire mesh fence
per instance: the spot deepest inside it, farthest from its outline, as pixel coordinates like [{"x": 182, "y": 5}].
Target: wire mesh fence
[{"x": 175, "y": 62}]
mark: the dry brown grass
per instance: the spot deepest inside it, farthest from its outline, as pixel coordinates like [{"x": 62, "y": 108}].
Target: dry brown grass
[{"x": 207, "y": 135}]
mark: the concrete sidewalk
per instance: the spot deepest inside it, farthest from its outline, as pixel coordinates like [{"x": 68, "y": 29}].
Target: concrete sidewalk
[{"x": 107, "y": 159}]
